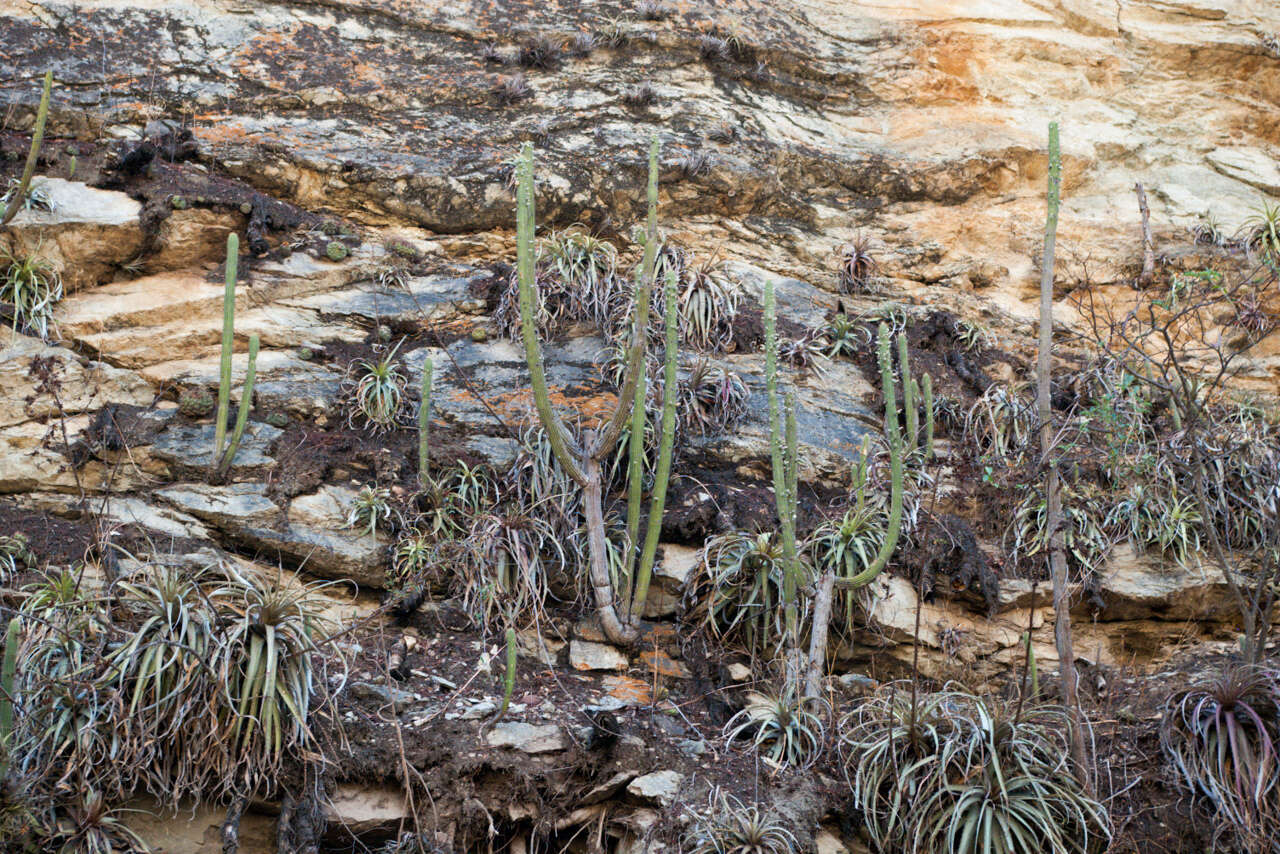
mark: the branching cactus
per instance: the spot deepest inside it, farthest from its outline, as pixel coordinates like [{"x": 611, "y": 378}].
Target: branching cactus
[
  {"x": 224, "y": 451},
  {"x": 37, "y": 139},
  {"x": 582, "y": 459},
  {"x": 900, "y": 447},
  {"x": 783, "y": 449}
]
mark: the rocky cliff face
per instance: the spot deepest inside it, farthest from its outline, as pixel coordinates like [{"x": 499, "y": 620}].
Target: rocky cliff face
[{"x": 387, "y": 128}]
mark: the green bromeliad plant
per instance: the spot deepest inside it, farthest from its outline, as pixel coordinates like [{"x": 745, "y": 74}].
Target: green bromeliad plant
[{"x": 951, "y": 771}]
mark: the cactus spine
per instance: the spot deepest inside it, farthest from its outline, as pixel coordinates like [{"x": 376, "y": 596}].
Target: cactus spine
[
  {"x": 37, "y": 139},
  {"x": 582, "y": 462},
  {"x": 424, "y": 426},
  {"x": 224, "y": 452}
]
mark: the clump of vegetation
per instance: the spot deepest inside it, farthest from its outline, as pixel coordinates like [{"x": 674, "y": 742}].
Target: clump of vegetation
[
  {"x": 695, "y": 164},
  {"x": 712, "y": 398},
  {"x": 582, "y": 44},
  {"x": 371, "y": 509},
  {"x": 15, "y": 556},
  {"x": 1262, "y": 233},
  {"x": 36, "y": 197},
  {"x": 30, "y": 287},
  {"x": 192, "y": 685},
  {"x": 730, "y": 827},
  {"x": 738, "y": 593},
  {"x": 512, "y": 90},
  {"x": 336, "y": 250},
  {"x": 652, "y": 10},
  {"x": 857, "y": 265},
  {"x": 375, "y": 392},
  {"x": 1221, "y": 737},
  {"x": 951, "y": 771},
  {"x": 540, "y": 51},
  {"x": 640, "y": 95},
  {"x": 844, "y": 336},
  {"x": 713, "y": 48},
  {"x": 782, "y": 726}
]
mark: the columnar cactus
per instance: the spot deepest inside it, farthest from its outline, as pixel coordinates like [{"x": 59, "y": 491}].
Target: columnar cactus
[
  {"x": 783, "y": 449},
  {"x": 582, "y": 461},
  {"x": 224, "y": 451},
  {"x": 424, "y": 426},
  {"x": 33, "y": 156}
]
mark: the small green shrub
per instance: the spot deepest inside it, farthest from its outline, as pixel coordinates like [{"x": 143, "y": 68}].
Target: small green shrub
[
  {"x": 845, "y": 337},
  {"x": 737, "y": 594},
  {"x": 731, "y": 827},
  {"x": 371, "y": 509},
  {"x": 31, "y": 287},
  {"x": 1262, "y": 232},
  {"x": 951, "y": 771},
  {"x": 782, "y": 726},
  {"x": 336, "y": 250},
  {"x": 376, "y": 392}
]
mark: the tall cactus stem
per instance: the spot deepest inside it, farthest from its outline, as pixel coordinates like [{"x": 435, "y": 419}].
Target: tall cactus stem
[
  {"x": 228, "y": 342},
  {"x": 909, "y": 396},
  {"x": 424, "y": 426},
  {"x": 242, "y": 414},
  {"x": 926, "y": 386},
  {"x": 33, "y": 156},
  {"x": 12, "y": 638},
  {"x": 662, "y": 475},
  {"x": 509, "y": 676}
]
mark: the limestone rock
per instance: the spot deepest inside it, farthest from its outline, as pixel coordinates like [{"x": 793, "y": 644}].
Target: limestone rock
[
  {"x": 527, "y": 738},
  {"x": 660, "y": 787},
  {"x": 588, "y": 655},
  {"x": 86, "y": 236},
  {"x": 312, "y": 533}
]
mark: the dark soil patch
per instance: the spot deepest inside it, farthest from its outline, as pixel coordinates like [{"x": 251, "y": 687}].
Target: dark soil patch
[{"x": 54, "y": 540}]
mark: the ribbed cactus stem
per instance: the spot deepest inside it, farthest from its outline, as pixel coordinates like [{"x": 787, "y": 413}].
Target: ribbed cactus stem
[
  {"x": 662, "y": 475},
  {"x": 926, "y": 385},
  {"x": 896, "y": 453},
  {"x": 228, "y": 341},
  {"x": 242, "y": 414},
  {"x": 635, "y": 479},
  {"x": 509, "y": 677},
  {"x": 33, "y": 156},
  {"x": 909, "y": 396},
  {"x": 12, "y": 638},
  {"x": 557, "y": 436},
  {"x": 424, "y": 425}
]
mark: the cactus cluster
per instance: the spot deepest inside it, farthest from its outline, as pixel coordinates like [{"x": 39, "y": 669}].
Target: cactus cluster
[
  {"x": 783, "y": 450},
  {"x": 582, "y": 459},
  {"x": 224, "y": 447}
]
